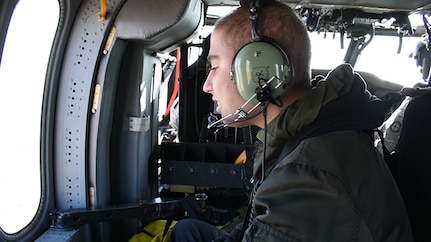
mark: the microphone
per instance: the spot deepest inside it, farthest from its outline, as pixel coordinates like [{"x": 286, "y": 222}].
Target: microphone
[
  {"x": 214, "y": 120},
  {"x": 241, "y": 114},
  {"x": 263, "y": 95}
]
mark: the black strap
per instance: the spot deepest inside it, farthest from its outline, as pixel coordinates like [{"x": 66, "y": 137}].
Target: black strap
[
  {"x": 167, "y": 226},
  {"x": 165, "y": 230},
  {"x": 148, "y": 233},
  {"x": 386, "y": 153}
]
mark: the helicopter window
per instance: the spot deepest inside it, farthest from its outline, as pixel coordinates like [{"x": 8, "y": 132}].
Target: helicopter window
[
  {"x": 22, "y": 76},
  {"x": 327, "y": 51},
  {"x": 384, "y": 57},
  {"x": 392, "y": 66}
]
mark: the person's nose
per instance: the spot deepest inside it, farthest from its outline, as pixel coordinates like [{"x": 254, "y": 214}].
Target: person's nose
[{"x": 207, "y": 85}]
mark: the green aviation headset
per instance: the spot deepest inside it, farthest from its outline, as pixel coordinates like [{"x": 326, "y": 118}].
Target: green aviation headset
[{"x": 261, "y": 69}]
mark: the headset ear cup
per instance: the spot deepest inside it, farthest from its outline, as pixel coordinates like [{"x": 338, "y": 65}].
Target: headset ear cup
[{"x": 255, "y": 64}]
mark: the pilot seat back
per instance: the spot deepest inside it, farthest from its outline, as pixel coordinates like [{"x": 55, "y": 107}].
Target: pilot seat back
[{"x": 413, "y": 173}]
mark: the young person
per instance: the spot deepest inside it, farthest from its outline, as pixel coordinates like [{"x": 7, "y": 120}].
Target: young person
[{"x": 318, "y": 175}]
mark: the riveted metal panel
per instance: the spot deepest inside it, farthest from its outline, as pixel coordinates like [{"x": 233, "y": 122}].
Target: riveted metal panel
[
  {"x": 66, "y": 235},
  {"x": 76, "y": 83}
]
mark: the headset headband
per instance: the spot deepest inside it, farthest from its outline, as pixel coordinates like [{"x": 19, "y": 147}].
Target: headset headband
[{"x": 254, "y": 10}]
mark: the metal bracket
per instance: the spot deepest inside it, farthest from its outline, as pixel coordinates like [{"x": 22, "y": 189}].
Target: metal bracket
[{"x": 146, "y": 210}]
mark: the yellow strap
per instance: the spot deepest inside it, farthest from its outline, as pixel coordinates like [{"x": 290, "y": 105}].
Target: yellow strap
[{"x": 102, "y": 12}]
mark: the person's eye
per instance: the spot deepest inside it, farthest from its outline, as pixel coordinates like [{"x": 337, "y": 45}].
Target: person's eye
[{"x": 211, "y": 67}]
